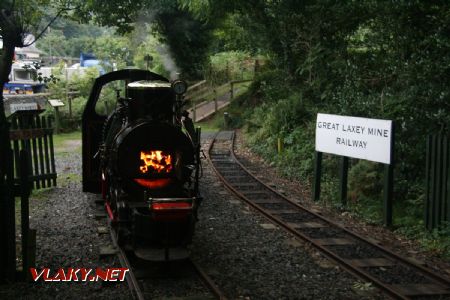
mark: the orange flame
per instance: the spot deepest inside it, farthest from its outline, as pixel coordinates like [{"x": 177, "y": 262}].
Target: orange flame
[{"x": 156, "y": 160}]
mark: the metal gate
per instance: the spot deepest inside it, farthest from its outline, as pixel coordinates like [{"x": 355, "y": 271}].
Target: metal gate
[{"x": 437, "y": 206}]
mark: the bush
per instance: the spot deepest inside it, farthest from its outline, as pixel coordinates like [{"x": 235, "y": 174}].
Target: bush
[
  {"x": 227, "y": 66},
  {"x": 274, "y": 108},
  {"x": 80, "y": 83},
  {"x": 278, "y": 117},
  {"x": 365, "y": 181}
]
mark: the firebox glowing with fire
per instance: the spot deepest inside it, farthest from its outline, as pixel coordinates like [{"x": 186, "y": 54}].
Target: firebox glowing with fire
[{"x": 157, "y": 161}]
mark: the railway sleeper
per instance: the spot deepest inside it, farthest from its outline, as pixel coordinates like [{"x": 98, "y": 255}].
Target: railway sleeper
[{"x": 417, "y": 290}]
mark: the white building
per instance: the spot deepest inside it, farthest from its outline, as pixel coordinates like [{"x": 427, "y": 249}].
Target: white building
[{"x": 22, "y": 78}]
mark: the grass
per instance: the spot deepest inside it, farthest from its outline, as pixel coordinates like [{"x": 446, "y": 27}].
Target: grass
[
  {"x": 436, "y": 241},
  {"x": 65, "y": 178},
  {"x": 214, "y": 122},
  {"x": 60, "y": 139},
  {"x": 243, "y": 87},
  {"x": 40, "y": 194}
]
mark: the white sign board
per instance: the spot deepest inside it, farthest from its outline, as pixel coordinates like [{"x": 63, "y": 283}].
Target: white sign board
[
  {"x": 13, "y": 107},
  {"x": 56, "y": 102},
  {"x": 362, "y": 138}
]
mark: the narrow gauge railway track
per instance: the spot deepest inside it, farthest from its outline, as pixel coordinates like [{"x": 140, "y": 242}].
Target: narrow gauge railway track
[
  {"x": 395, "y": 275},
  {"x": 135, "y": 268}
]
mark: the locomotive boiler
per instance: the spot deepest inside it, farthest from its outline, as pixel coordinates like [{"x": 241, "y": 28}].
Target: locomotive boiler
[{"x": 144, "y": 158}]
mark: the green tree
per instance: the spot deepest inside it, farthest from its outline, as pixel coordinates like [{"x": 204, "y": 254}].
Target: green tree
[
  {"x": 186, "y": 36},
  {"x": 113, "y": 50}
]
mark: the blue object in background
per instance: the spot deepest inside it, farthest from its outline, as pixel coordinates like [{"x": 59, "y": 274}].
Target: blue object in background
[
  {"x": 23, "y": 88},
  {"x": 89, "y": 60}
]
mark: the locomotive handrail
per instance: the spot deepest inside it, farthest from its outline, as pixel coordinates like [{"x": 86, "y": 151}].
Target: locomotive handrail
[
  {"x": 191, "y": 202},
  {"x": 172, "y": 199},
  {"x": 166, "y": 200},
  {"x": 127, "y": 74}
]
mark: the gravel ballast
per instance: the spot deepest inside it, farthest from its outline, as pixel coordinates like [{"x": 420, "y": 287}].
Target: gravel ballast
[
  {"x": 247, "y": 257},
  {"x": 250, "y": 262},
  {"x": 67, "y": 237}
]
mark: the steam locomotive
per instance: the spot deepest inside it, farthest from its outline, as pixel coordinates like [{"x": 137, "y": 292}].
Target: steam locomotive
[{"x": 144, "y": 158}]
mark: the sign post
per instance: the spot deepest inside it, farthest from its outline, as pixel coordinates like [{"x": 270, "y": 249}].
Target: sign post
[
  {"x": 362, "y": 138},
  {"x": 343, "y": 180},
  {"x": 389, "y": 184},
  {"x": 56, "y": 104},
  {"x": 317, "y": 175}
]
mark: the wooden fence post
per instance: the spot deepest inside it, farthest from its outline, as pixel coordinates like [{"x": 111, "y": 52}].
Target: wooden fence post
[
  {"x": 198, "y": 133},
  {"x": 57, "y": 120},
  {"x": 317, "y": 175},
  {"x": 279, "y": 145},
  {"x": 388, "y": 188},
  {"x": 69, "y": 100},
  {"x": 24, "y": 210},
  {"x": 256, "y": 68},
  {"x": 226, "y": 120},
  {"x": 7, "y": 221},
  {"x": 31, "y": 251},
  {"x": 231, "y": 90},
  {"x": 343, "y": 179},
  {"x": 70, "y": 106},
  {"x": 389, "y": 184},
  {"x": 437, "y": 208},
  {"x": 439, "y": 180},
  {"x": 194, "y": 112},
  {"x": 215, "y": 100},
  {"x": 428, "y": 189},
  {"x": 445, "y": 213}
]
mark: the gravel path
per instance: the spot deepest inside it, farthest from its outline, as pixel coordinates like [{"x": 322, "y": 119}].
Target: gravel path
[{"x": 67, "y": 236}]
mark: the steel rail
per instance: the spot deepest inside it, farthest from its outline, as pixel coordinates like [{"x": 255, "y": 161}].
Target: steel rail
[
  {"x": 133, "y": 283},
  {"x": 210, "y": 284},
  {"x": 357, "y": 271},
  {"x": 431, "y": 274}
]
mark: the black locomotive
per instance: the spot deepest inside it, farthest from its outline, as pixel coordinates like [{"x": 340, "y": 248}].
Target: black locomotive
[{"x": 144, "y": 158}]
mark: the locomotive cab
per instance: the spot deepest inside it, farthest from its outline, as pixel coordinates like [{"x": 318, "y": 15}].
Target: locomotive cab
[
  {"x": 148, "y": 168},
  {"x": 151, "y": 99}
]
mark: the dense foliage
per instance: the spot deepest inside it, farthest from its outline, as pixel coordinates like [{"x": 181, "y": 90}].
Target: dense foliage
[
  {"x": 377, "y": 59},
  {"x": 68, "y": 38}
]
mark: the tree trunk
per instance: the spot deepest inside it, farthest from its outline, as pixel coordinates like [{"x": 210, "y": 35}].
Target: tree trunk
[
  {"x": 7, "y": 207},
  {"x": 5, "y": 68}
]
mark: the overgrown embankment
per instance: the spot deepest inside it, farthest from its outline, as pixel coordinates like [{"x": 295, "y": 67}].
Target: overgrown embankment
[{"x": 390, "y": 63}]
